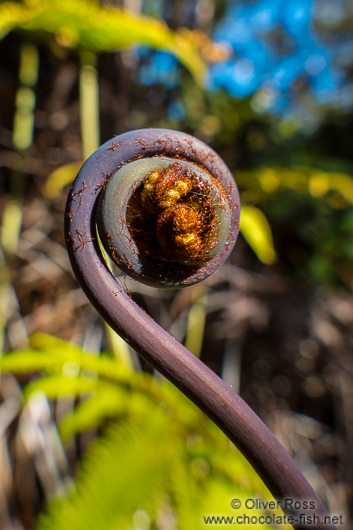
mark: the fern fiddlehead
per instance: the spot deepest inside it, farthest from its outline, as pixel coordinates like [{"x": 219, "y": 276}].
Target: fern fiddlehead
[
  {"x": 171, "y": 239},
  {"x": 164, "y": 219}
]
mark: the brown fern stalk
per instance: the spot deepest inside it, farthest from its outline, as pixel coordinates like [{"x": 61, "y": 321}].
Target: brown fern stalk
[{"x": 210, "y": 393}]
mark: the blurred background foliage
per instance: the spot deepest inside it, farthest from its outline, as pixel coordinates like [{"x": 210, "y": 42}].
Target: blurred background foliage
[{"x": 268, "y": 84}]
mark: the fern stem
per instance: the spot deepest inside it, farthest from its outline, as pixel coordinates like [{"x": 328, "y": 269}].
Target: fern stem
[
  {"x": 89, "y": 104},
  {"x": 209, "y": 392},
  {"x": 22, "y": 136},
  {"x": 196, "y": 324}
]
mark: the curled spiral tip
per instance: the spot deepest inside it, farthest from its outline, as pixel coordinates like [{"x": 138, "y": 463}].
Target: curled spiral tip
[{"x": 167, "y": 207}]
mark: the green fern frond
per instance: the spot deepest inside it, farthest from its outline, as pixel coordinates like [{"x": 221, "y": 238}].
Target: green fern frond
[
  {"x": 321, "y": 183},
  {"x": 58, "y": 358},
  {"x": 53, "y": 361},
  {"x": 124, "y": 471},
  {"x": 186, "y": 494},
  {"x": 25, "y": 362},
  {"x": 257, "y": 231},
  {"x": 108, "y": 402},
  {"x": 60, "y": 178},
  {"x": 87, "y": 24},
  {"x": 65, "y": 352},
  {"x": 263, "y": 182},
  {"x": 12, "y": 15},
  {"x": 146, "y": 460},
  {"x": 159, "y": 453},
  {"x": 59, "y": 386}
]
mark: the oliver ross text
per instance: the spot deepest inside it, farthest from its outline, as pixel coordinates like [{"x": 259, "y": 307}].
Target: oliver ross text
[{"x": 285, "y": 504}]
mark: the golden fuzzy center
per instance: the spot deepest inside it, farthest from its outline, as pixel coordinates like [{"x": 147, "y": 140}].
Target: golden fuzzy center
[{"x": 177, "y": 222}]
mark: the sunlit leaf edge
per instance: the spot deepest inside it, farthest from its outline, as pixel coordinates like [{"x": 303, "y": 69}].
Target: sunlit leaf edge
[{"x": 88, "y": 25}]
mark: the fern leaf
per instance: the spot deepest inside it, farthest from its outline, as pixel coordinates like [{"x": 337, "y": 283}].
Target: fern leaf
[
  {"x": 107, "y": 402},
  {"x": 151, "y": 457},
  {"x": 185, "y": 493},
  {"x": 64, "y": 352},
  {"x": 156, "y": 442},
  {"x": 59, "y": 386},
  {"x": 257, "y": 231},
  {"x": 11, "y": 15},
  {"x": 60, "y": 178},
  {"x": 87, "y": 24},
  {"x": 343, "y": 184},
  {"x": 124, "y": 471},
  {"x": 24, "y": 362}
]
